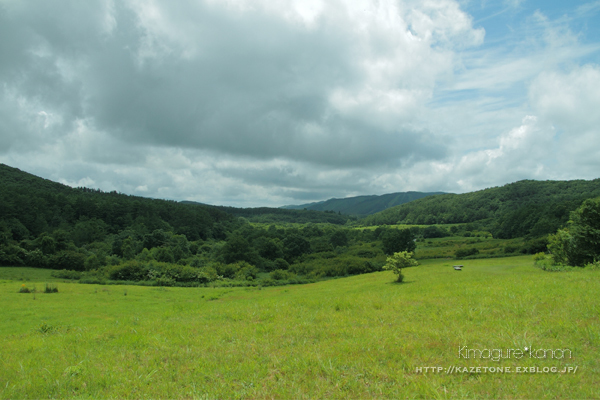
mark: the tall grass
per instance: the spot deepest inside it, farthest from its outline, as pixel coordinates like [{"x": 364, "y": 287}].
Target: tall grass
[{"x": 357, "y": 337}]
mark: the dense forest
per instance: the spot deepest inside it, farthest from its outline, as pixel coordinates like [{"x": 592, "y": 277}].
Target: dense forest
[
  {"x": 363, "y": 205},
  {"x": 30, "y": 205},
  {"x": 520, "y": 209},
  {"x": 127, "y": 238},
  {"x": 269, "y": 215},
  {"x": 96, "y": 236}
]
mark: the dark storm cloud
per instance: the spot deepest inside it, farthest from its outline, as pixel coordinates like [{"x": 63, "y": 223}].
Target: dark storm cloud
[
  {"x": 202, "y": 77},
  {"x": 257, "y": 102}
]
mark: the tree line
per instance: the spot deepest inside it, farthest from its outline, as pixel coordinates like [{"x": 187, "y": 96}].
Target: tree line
[
  {"x": 119, "y": 237},
  {"x": 521, "y": 209}
]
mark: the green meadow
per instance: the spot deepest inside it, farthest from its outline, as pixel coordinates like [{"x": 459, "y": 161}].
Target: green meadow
[
  {"x": 486, "y": 246},
  {"x": 357, "y": 337}
]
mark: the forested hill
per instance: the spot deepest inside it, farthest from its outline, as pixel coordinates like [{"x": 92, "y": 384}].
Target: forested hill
[
  {"x": 515, "y": 210},
  {"x": 363, "y": 205},
  {"x": 30, "y": 205},
  {"x": 274, "y": 215}
]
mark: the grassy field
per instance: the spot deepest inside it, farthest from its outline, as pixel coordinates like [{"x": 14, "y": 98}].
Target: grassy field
[
  {"x": 357, "y": 337},
  {"x": 447, "y": 246}
]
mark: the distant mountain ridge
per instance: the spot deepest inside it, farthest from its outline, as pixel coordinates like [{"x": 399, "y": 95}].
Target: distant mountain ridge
[
  {"x": 363, "y": 205},
  {"x": 275, "y": 215}
]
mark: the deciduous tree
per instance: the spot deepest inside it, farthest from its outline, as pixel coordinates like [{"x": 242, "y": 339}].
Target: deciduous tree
[{"x": 399, "y": 261}]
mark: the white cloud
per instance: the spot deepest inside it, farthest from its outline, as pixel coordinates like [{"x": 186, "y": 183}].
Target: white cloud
[
  {"x": 259, "y": 103},
  {"x": 570, "y": 102},
  {"x": 521, "y": 153}
]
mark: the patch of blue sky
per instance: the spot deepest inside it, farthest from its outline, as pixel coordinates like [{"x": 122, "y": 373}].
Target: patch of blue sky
[
  {"x": 523, "y": 39},
  {"x": 509, "y": 23}
]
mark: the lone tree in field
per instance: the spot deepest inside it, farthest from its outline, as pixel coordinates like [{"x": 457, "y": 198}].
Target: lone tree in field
[{"x": 400, "y": 260}]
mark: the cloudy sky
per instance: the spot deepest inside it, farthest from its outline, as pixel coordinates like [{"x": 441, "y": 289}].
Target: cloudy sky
[{"x": 265, "y": 103}]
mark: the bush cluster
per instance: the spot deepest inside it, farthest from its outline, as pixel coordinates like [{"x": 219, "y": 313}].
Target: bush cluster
[
  {"x": 461, "y": 253},
  {"x": 344, "y": 265},
  {"x": 66, "y": 274}
]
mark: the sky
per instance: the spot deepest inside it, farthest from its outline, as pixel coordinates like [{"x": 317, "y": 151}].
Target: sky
[{"x": 254, "y": 103}]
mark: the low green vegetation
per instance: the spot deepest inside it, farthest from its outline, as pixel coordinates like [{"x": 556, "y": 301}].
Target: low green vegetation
[
  {"x": 477, "y": 247},
  {"x": 399, "y": 261},
  {"x": 266, "y": 215},
  {"x": 520, "y": 209},
  {"x": 356, "y": 337},
  {"x": 97, "y": 238},
  {"x": 579, "y": 243},
  {"x": 205, "y": 301}
]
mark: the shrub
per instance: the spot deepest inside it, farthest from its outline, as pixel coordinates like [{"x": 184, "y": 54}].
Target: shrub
[
  {"x": 534, "y": 246},
  {"x": 280, "y": 275},
  {"x": 163, "y": 254},
  {"x": 347, "y": 264},
  {"x": 398, "y": 261},
  {"x": 145, "y": 255},
  {"x": 357, "y": 266},
  {"x": 546, "y": 263},
  {"x": 92, "y": 262},
  {"x": 538, "y": 257},
  {"x": 366, "y": 253},
  {"x": 196, "y": 262},
  {"x": 203, "y": 277},
  {"x": 94, "y": 280},
  {"x": 51, "y": 288},
  {"x": 593, "y": 266},
  {"x": 188, "y": 274},
  {"x": 66, "y": 274},
  {"x": 434, "y": 232},
  {"x": 280, "y": 263},
  {"x": 460, "y": 253},
  {"x": 45, "y": 328},
  {"x": 207, "y": 274},
  {"x": 246, "y": 271},
  {"x": 510, "y": 249},
  {"x": 131, "y": 270},
  {"x": 550, "y": 267},
  {"x": 36, "y": 258},
  {"x": 12, "y": 255},
  {"x": 227, "y": 270},
  {"x": 24, "y": 289},
  {"x": 165, "y": 281},
  {"x": 67, "y": 259}
]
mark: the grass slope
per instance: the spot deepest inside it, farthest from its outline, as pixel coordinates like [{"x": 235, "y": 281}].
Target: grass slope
[{"x": 358, "y": 337}]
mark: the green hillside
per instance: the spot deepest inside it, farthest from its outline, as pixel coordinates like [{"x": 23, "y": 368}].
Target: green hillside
[
  {"x": 270, "y": 215},
  {"x": 363, "y": 205},
  {"x": 361, "y": 337},
  {"x": 515, "y": 210},
  {"x": 100, "y": 237},
  {"x": 30, "y": 206}
]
